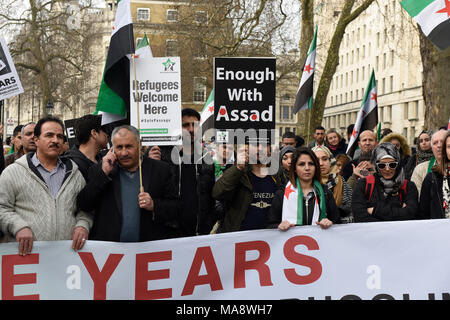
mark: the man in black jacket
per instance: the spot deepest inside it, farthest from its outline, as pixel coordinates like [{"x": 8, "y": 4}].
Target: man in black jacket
[
  {"x": 124, "y": 211},
  {"x": 91, "y": 139},
  {"x": 192, "y": 171}
]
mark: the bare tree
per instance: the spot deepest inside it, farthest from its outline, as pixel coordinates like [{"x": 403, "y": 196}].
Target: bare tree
[
  {"x": 436, "y": 83},
  {"x": 50, "y": 49},
  {"x": 348, "y": 11}
]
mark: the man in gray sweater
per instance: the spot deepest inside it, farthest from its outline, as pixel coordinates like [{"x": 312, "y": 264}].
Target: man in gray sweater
[{"x": 38, "y": 194}]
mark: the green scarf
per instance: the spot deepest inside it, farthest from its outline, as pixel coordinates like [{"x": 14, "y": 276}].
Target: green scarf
[
  {"x": 218, "y": 169},
  {"x": 11, "y": 150},
  {"x": 322, "y": 205},
  {"x": 431, "y": 164}
]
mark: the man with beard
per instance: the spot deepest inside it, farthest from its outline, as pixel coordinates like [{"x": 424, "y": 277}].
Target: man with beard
[
  {"x": 192, "y": 171},
  {"x": 91, "y": 138}
]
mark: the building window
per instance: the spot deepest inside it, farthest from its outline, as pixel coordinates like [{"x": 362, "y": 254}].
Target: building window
[
  {"x": 392, "y": 58},
  {"x": 143, "y": 14},
  {"x": 281, "y": 132},
  {"x": 172, "y": 15},
  {"x": 171, "y": 48},
  {"x": 201, "y": 17},
  {"x": 392, "y": 83},
  {"x": 416, "y": 110},
  {"x": 405, "y": 110},
  {"x": 138, "y": 40},
  {"x": 286, "y": 113},
  {"x": 200, "y": 49},
  {"x": 199, "y": 89}
]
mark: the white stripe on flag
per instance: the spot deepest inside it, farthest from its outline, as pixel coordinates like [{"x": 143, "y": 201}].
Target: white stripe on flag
[
  {"x": 310, "y": 61},
  {"x": 110, "y": 117},
  {"x": 368, "y": 106},
  {"x": 123, "y": 16},
  {"x": 428, "y": 19}
]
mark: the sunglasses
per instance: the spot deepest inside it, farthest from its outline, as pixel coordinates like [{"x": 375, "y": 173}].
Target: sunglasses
[{"x": 382, "y": 166}]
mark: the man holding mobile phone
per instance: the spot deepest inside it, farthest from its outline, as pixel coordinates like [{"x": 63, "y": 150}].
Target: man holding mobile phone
[{"x": 124, "y": 212}]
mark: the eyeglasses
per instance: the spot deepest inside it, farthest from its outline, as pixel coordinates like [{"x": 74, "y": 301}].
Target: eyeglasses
[{"x": 382, "y": 166}]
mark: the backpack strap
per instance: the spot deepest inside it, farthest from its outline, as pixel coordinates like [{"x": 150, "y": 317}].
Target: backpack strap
[
  {"x": 403, "y": 190},
  {"x": 370, "y": 180}
]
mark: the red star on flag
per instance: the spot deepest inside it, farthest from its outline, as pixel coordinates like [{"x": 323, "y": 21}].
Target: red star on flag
[
  {"x": 308, "y": 68},
  {"x": 446, "y": 9},
  {"x": 354, "y": 133},
  {"x": 211, "y": 109},
  {"x": 374, "y": 97},
  {"x": 288, "y": 191}
]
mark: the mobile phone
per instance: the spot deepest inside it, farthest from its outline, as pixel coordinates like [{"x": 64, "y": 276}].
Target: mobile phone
[{"x": 364, "y": 172}]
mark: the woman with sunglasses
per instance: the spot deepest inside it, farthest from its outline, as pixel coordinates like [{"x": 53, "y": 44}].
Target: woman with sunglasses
[
  {"x": 385, "y": 195},
  {"x": 303, "y": 200},
  {"x": 435, "y": 192}
]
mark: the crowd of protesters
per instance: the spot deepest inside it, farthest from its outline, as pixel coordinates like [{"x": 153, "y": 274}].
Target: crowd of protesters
[{"x": 130, "y": 193}]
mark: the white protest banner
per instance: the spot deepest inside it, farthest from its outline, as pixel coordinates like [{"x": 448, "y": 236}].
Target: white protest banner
[
  {"x": 159, "y": 96},
  {"x": 10, "y": 84},
  {"x": 386, "y": 260}
]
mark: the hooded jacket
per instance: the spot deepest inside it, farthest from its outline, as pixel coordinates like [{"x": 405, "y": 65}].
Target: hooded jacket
[
  {"x": 83, "y": 162},
  {"x": 205, "y": 179},
  {"x": 26, "y": 201}
]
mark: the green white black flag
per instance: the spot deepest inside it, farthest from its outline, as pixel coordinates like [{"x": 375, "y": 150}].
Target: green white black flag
[{"x": 367, "y": 117}]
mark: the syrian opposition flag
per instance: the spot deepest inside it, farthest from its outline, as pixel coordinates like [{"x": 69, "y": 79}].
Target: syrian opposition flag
[
  {"x": 143, "y": 49},
  {"x": 304, "y": 97},
  {"x": 433, "y": 17},
  {"x": 114, "y": 96},
  {"x": 367, "y": 117},
  {"x": 207, "y": 114}
]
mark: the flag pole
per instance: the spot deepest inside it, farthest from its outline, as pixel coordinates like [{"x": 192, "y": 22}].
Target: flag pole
[
  {"x": 141, "y": 188},
  {"x": 309, "y": 123}
]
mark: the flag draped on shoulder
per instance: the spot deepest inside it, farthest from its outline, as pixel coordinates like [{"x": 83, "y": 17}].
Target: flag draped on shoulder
[
  {"x": 367, "y": 117},
  {"x": 433, "y": 17},
  {"x": 207, "y": 114},
  {"x": 304, "y": 97},
  {"x": 114, "y": 96}
]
